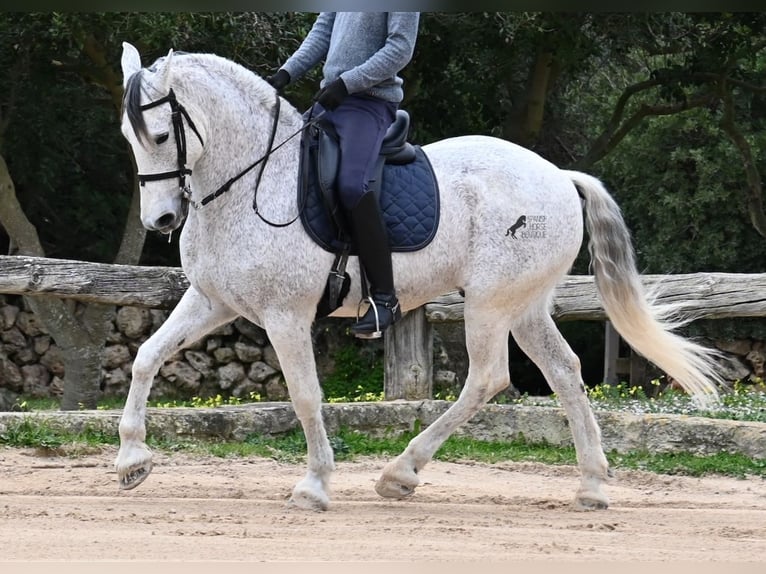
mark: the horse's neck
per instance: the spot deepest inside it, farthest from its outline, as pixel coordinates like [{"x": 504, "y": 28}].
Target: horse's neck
[{"x": 238, "y": 131}]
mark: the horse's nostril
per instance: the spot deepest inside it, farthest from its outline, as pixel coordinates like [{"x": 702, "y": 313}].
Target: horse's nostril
[{"x": 165, "y": 221}]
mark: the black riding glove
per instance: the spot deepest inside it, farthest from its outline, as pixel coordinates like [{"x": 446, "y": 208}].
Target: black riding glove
[
  {"x": 332, "y": 94},
  {"x": 279, "y": 80}
]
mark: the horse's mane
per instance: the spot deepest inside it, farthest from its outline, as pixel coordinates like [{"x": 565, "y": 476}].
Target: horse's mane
[
  {"x": 131, "y": 101},
  {"x": 131, "y": 105}
]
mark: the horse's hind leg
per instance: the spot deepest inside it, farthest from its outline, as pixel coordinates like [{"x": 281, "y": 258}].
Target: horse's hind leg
[
  {"x": 537, "y": 335},
  {"x": 193, "y": 317},
  {"x": 487, "y": 345},
  {"x": 291, "y": 339}
]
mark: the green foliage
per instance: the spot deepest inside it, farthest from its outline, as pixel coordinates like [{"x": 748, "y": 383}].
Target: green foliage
[
  {"x": 30, "y": 433},
  {"x": 736, "y": 465},
  {"x": 204, "y": 402},
  {"x": 358, "y": 375},
  {"x": 60, "y": 84},
  {"x": 688, "y": 213},
  {"x": 485, "y": 61},
  {"x": 678, "y": 179},
  {"x": 348, "y": 445},
  {"x": 290, "y": 447}
]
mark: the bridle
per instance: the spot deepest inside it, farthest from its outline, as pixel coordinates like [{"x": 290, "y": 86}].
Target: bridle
[{"x": 178, "y": 114}]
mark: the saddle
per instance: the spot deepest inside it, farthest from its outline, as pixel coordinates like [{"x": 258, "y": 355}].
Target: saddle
[
  {"x": 395, "y": 150},
  {"x": 402, "y": 181}
]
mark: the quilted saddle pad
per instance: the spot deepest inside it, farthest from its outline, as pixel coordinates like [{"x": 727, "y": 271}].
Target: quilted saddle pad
[{"x": 409, "y": 201}]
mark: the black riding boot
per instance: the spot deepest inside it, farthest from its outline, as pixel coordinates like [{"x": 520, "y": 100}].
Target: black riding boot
[{"x": 375, "y": 254}]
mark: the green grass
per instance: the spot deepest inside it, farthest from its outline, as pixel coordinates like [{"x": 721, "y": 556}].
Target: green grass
[
  {"x": 30, "y": 433},
  {"x": 742, "y": 402},
  {"x": 349, "y": 445},
  {"x": 725, "y": 464},
  {"x": 358, "y": 376}
]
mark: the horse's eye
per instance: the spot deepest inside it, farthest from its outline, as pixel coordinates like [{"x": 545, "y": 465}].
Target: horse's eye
[{"x": 160, "y": 139}]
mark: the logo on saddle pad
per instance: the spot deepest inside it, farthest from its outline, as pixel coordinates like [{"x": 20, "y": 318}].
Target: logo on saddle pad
[{"x": 528, "y": 227}]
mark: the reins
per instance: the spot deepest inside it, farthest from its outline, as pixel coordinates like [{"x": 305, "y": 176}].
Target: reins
[
  {"x": 263, "y": 160},
  {"x": 178, "y": 111}
]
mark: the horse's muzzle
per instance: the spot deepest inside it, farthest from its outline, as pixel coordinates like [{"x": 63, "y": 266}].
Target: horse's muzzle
[{"x": 165, "y": 223}]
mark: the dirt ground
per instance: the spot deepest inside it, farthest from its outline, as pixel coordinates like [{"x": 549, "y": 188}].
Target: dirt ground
[{"x": 204, "y": 508}]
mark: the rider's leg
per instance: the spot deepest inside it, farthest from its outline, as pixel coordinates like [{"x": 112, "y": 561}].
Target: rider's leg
[
  {"x": 374, "y": 251},
  {"x": 361, "y": 123}
]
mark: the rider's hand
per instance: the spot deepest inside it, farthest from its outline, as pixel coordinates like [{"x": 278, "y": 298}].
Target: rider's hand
[
  {"x": 332, "y": 94},
  {"x": 279, "y": 80}
]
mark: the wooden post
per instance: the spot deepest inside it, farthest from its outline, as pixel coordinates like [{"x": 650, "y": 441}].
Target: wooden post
[
  {"x": 409, "y": 350},
  {"x": 611, "y": 353},
  {"x": 639, "y": 371}
]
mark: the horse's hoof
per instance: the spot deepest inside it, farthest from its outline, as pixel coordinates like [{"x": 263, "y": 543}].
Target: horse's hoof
[
  {"x": 398, "y": 480},
  {"x": 402, "y": 486},
  {"x": 393, "y": 489},
  {"x": 133, "y": 476},
  {"x": 587, "y": 502},
  {"x": 306, "y": 500}
]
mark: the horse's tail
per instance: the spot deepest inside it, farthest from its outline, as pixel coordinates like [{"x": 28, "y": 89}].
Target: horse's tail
[{"x": 646, "y": 326}]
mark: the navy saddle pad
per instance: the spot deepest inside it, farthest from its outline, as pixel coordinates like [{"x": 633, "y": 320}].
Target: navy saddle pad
[{"x": 409, "y": 201}]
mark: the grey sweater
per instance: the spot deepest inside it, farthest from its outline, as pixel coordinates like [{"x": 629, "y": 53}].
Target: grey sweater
[{"x": 365, "y": 49}]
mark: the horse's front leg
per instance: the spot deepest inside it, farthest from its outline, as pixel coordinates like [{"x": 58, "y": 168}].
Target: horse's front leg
[
  {"x": 291, "y": 338},
  {"x": 193, "y": 317}
]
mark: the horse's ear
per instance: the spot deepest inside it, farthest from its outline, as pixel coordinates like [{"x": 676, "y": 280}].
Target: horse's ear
[
  {"x": 131, "y": 62},
  {"x": 161, "y": 78}
]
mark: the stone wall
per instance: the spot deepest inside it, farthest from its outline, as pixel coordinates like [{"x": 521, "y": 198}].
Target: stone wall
[{"x": 235, "y": 360}]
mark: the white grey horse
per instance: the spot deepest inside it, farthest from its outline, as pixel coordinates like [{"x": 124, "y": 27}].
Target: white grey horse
[{"x": 238, "y": 265}]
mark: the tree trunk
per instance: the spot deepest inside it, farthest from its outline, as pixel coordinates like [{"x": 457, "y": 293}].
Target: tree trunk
[
  {"x": 536, "y": 95},
  {"x": 134, "y": 236},
  {"x": 81, "y": 340},
  {"x": 82, "y": 365},
  {"x": 83, "y": 347},
  {"x": 80, "y": 336},
  {"x": 754, "y": 195}
]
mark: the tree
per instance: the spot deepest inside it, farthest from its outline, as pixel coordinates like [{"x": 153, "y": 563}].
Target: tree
[
  {"x": 499, "y": 73},
  {"x": 61, "y": 66},
  {"x": 80, "y": 336},
  {"x": 669, "y": 107},
  {"x": 711, "y": 62}
]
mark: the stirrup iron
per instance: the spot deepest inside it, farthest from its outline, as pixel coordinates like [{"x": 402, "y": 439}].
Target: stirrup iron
[{"x": 377, "y": 333}]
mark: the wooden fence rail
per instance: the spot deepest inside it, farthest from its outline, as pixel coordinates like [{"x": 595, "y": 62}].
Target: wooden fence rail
[
  {"x": 128, "y": 285},
  {"x": 409, "y": 345},
  {"x": 704, "y": 295}
]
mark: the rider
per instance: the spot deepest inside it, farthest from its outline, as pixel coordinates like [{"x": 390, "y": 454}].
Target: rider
[{"x": 363, "y": 53}]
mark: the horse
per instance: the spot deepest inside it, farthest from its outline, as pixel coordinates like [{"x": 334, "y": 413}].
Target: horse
[{"x": 197, "y": 120}]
